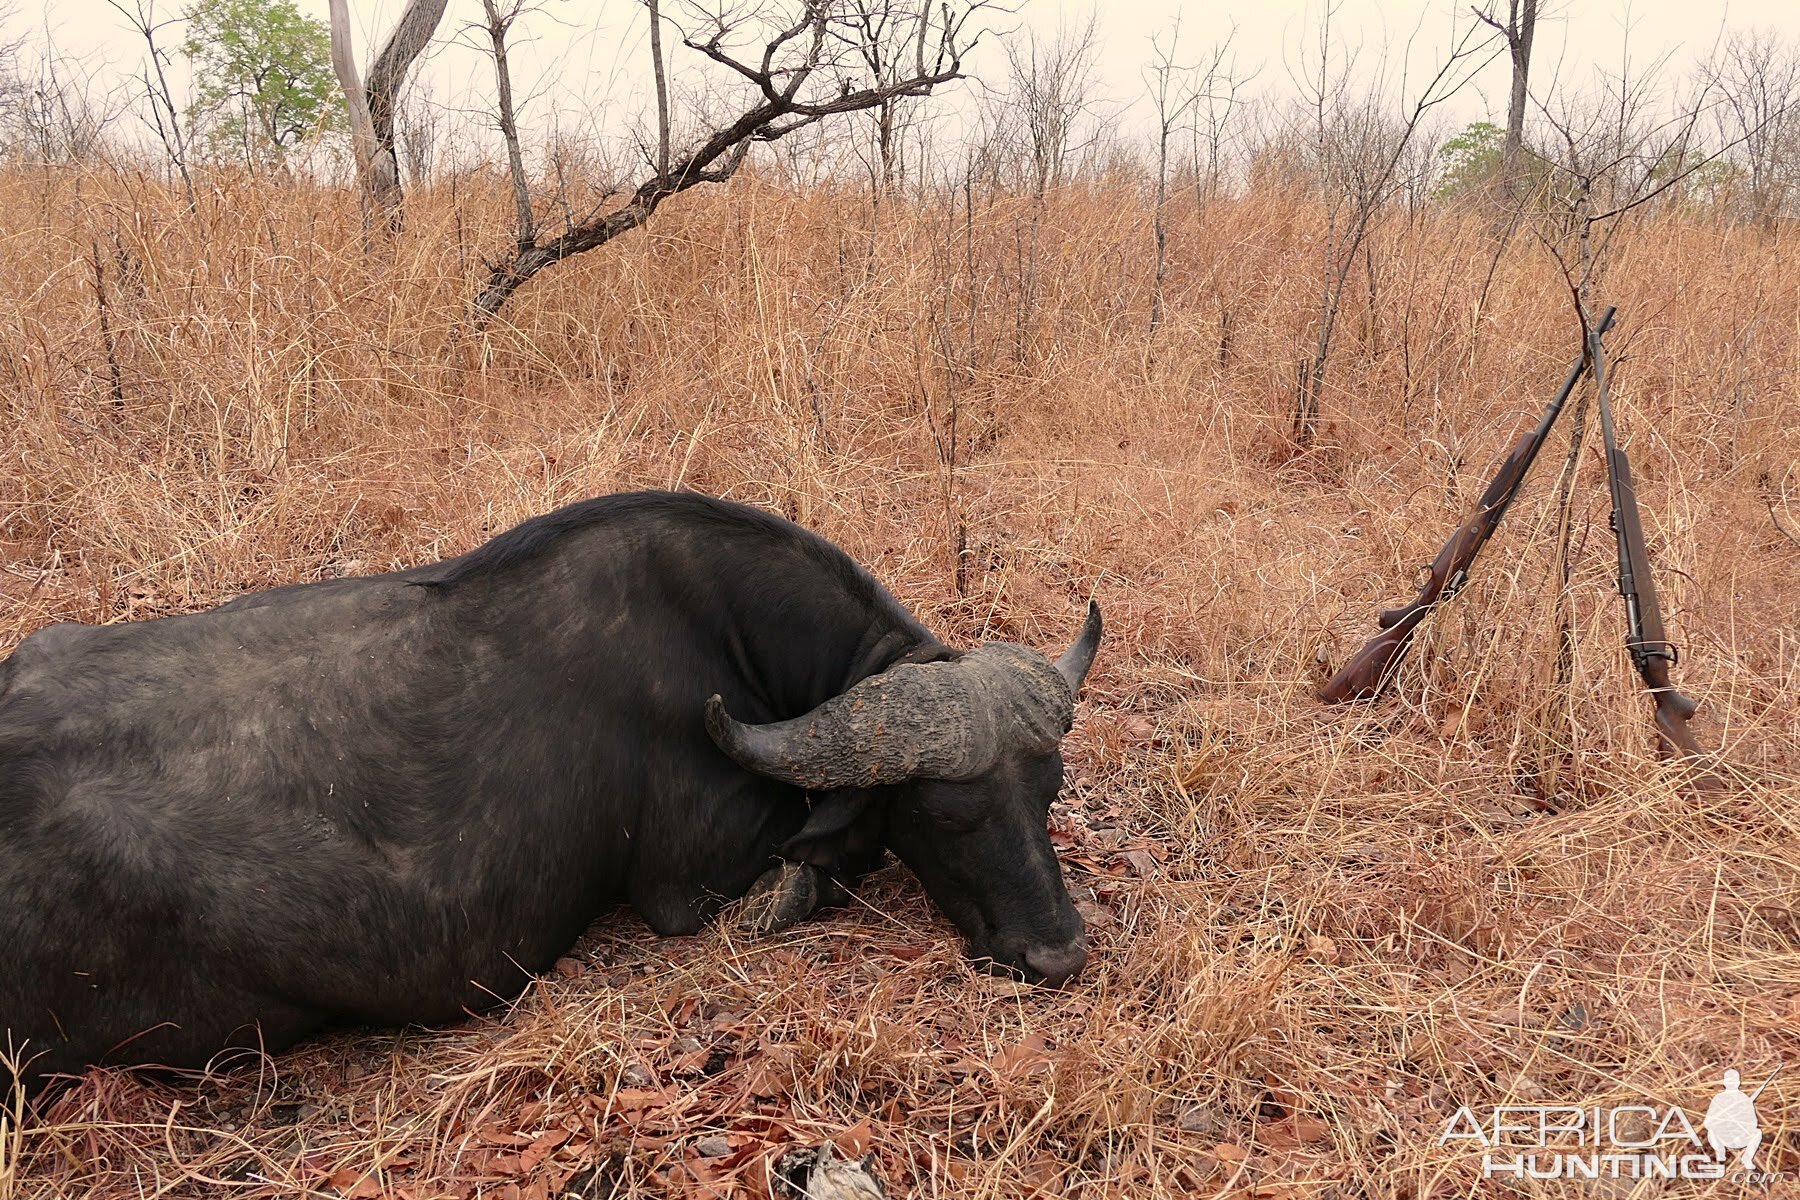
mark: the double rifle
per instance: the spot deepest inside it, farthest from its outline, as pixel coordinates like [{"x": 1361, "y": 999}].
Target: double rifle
[{"x": 1368, "y": 673}]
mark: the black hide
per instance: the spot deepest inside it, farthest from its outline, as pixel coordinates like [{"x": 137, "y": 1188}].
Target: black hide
[{"x": 390, "y": 799}]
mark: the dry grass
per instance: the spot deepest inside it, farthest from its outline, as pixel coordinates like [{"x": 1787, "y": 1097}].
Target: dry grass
[{"x": 1317, "y": 931}]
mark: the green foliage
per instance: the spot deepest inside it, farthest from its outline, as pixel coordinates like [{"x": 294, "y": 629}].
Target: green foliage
[
  {"x": 263, "y": 78},
  {"x": 1470, "y": 160},
  {"x": 1696, "y": 176}
]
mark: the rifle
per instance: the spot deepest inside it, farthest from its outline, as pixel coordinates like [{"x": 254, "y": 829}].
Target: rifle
[
  {"x": 1366, "y": 675},
  {"x": 1651, "y": 650}
]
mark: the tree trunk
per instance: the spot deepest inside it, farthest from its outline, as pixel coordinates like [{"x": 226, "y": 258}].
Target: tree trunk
[
  {"x": 356, "y": 103},
  {"x": 662, "y": 89},
  {"x": 1524, "y": 28},
  {"x": 497, "y": 27},
  {"x": 386, "y": 75}
]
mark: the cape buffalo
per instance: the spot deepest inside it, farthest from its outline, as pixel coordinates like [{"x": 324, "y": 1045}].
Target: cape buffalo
[{"x": 391, "y": 799}]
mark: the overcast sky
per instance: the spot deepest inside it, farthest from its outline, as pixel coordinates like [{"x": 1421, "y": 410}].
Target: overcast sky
[{"x": 588, "y": 56}]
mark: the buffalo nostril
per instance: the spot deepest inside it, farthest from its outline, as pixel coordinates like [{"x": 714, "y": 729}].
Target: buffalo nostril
[{"x": 1057, "y": 964}]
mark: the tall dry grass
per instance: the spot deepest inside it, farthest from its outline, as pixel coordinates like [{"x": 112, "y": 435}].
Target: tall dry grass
[{"x": 1317, "y": 931}]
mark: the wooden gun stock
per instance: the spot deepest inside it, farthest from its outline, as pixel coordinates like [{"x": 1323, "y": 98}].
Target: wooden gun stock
[
  {"x": 1652, "y": 653},
  {"x": 1365, "y": 675},
  {"x": 1673, "y": 709}
]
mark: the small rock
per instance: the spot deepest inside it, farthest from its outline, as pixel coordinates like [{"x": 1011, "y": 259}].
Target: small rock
[
  {"x": 1096, "y": 916},
  {"x": 822, "y": 1174},
  {"x": 1201, "y": 1119}
]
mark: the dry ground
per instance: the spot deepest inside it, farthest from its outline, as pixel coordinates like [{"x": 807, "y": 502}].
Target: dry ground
[{"x": 1317, "y": 931}]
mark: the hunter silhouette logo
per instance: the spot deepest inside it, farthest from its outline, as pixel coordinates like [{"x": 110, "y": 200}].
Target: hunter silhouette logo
[
  {"x": 1624, "y": 1141},
  {"x": 1731, "y": 1123}
]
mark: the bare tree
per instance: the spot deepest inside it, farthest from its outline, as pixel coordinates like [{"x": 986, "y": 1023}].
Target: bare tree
[
  {"x": 356, "y": 101},
  {"x": 1219, "y": 101},
  {"x": 1358, "y": 149},
  {"x": 1519, "y": 30},
  {"x": 53, "y": 110},
  {"x": 808, "y": 69},
  {"x": 1052, "y": 86},
  {"x": 500, "y": 19},
  {"x": 1173, "y": 94},
  {"x": 15, "y": 93},
  {"x": 164, "y": 117},
  {"x": 421, "y": 130},
  {"x": 1178, "y": 94},
  {"x": 1758, "y": 84},
  {"x": 886, "y": 59},
  {"x": 381, "y": 92},
  {"x": 660, "y": 71}
]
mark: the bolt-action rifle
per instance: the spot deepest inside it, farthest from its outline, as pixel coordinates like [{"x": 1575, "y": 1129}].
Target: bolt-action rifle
[
  {"x": 1366, "y": 675},
  {"x": 1652, "y": 653}
]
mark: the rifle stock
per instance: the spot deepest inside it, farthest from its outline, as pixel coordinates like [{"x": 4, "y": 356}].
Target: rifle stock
[
  {"x": 1652, "y": 653},
  {"x": 1366, "y": 674},
  {"x": 1673, "y": 709}
]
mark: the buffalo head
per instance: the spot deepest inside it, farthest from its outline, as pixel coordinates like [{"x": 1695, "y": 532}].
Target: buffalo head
[{"x": 955, "y": 763}]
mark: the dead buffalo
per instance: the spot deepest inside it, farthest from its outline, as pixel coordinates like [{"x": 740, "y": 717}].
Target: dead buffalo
[{"x": 392, "y": 799}]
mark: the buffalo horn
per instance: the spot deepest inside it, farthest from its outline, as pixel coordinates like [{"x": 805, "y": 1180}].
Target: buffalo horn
[{"x": 943, "y": 720}]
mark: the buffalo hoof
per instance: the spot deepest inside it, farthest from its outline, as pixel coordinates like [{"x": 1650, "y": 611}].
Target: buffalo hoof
[{"x": 786, "y": 895}]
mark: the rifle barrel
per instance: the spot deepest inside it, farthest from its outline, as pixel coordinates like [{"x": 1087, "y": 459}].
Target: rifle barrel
[
  {"x": 1367, "y": 673},
  {"x": 1645, "y": 638}
]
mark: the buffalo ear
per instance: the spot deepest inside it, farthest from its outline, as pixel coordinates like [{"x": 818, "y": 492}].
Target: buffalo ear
[{"x": 830, "y": 832}]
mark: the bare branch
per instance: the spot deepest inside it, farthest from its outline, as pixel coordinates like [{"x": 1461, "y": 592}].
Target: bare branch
[{"x": 793, "y": 56}]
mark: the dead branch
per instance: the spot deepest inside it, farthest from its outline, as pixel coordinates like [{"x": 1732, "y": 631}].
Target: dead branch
[{"x": 814, "y": 49}]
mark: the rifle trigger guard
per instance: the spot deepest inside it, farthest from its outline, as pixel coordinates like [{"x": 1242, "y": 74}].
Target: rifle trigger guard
[{"x": 1668, "y": 650}]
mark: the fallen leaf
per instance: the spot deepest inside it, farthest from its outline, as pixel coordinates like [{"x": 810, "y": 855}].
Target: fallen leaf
[
  {"x": 1309, "y": 1129},
  {"x": 542, "y": 1148},
  {"x": 354, "y": 1184},
  {"x": 1140, "y": 861},
  {"x": 770, "y": 1074},
  {"x": 639, "y": 1099},
  {"x": 1322, "y": 948},
  {"x": 1297, "y": 1129},
  {"x": 1029, "y": 1057},
  {"x": 1289, "y": 1098},
  {"x": 500, "y": 1135},
  {"x": 855, "y": 1141},
  {"x": 1096, "y": 916},
  {"x": 1230, "y": 1153}
]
